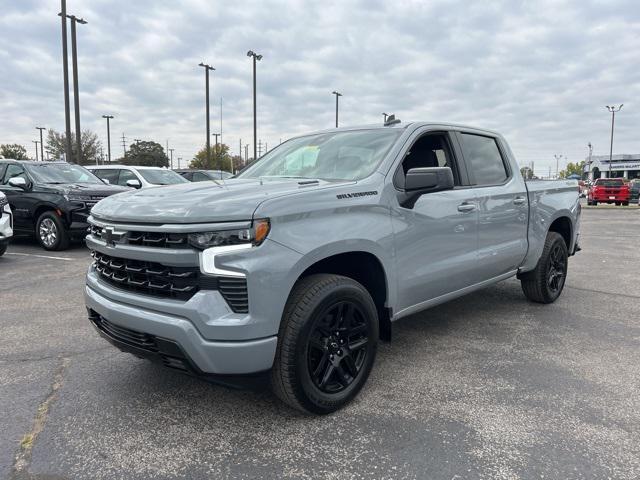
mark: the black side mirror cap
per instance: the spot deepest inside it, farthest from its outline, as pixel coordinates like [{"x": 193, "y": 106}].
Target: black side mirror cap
[{"x": 419, "y": 181}]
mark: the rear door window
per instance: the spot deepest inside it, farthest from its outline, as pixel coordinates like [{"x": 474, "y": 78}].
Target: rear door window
[
  {"x": 107, "y": 174},
  {"x": 484, "y": 159}
]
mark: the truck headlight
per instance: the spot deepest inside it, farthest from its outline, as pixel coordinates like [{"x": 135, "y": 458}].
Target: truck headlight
[{"x": 254, "y": 235}]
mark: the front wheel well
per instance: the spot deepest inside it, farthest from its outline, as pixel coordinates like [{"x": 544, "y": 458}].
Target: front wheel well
[{"x": 366, "y": 269}]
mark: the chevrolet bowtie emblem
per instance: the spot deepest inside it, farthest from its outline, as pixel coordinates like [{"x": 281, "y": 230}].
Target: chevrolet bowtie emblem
[{"x": 107, "y": 236}]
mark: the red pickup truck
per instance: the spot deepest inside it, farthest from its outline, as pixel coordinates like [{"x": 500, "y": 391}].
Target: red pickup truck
[{"x": 609, "y": 190}]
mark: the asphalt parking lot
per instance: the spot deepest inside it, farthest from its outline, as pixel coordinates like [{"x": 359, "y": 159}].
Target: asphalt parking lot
[{"x": 488, "y": 386}]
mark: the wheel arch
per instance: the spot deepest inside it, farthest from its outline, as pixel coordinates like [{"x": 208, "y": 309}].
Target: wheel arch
[{"x": 365, "y": 268}]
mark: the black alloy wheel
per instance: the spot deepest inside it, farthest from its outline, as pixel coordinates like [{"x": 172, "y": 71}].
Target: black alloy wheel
[{"x": 337, "y": 347}]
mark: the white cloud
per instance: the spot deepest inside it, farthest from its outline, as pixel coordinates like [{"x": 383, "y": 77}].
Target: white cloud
[{"x": 540, "y": 72}]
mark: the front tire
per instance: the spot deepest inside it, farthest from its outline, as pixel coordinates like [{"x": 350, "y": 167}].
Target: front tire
[
  {"x": 326, "y": 344},
  {"x": 545, "y": 283},
  {"x": 51, "y": 232}
]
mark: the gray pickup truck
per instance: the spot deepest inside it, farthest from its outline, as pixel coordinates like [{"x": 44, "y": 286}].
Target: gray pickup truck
[{"x": 299, "y": 265}]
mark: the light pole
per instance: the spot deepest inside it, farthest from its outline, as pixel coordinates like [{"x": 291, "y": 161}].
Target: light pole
[
  {"x": 171, "y": 160},
  {"x": 385, "y": 115},
  {"x": 589, "y": 163},
  {"x": 108, "y": 117},
  {"x": 337, "y": 94},
  {"x": 256, "y": 58},
  {"x": 558, "y": 157},
  {"x": 76, "y": 93},
  {"x": 65, "y": 76},
  {"x": 36, "y": 142},
  {"x": 613, "y": 110},
  {"x": 41, "y": 148},
  {"x": 206, "y": 83},
  {"x": 215, "y": 150}
]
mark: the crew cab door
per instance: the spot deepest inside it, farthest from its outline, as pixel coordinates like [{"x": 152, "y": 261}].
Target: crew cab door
[
  {"x": 436, "y": 240},
  {"x": 502, "y": 200},
  {"x": 22, "y": 203}
]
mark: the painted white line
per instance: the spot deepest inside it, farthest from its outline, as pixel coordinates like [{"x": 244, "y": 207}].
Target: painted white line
[{"x": 39, "y": 256}]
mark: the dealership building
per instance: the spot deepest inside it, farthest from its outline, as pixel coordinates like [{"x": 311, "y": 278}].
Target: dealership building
[{"x": 620, "y": 166}]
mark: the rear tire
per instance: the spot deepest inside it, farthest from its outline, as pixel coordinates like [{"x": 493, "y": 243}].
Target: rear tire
[
  {"x": 625, "y": 204},
  {"x": 51, "y": 232},
  {"x": 545, "y": 283},
  {"x": 326, "y": 344},
  {"x": 3, "y": 248}
]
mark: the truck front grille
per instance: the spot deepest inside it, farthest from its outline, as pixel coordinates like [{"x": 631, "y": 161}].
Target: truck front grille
[
  {"x": 146, "y": 239},
  {"x": 159, "y": 280},
  {"x": 148, "y": 277}
]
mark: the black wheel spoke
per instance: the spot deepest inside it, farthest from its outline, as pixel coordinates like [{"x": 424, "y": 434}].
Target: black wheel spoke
[
  {"x": 358, "y": 344},
  {"x": 321, "y": 366},
  {"x": 343, "y": 377},
  {"x": 328, "y": 372},
  {"x": 350, "y": 365}
]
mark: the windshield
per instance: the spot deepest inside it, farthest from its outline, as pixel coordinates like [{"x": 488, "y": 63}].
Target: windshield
[
  {"x": 62, "y": 173},
  {"x": 161, "y": 177},
  {"x": 351, "y": 155}
]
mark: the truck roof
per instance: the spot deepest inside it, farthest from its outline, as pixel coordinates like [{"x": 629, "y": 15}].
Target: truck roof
[{"x": 401, "y": 126}]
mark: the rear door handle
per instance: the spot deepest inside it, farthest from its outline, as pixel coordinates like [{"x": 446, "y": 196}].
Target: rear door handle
[
  {"x": 519, "y": 200},
  {"x": 466, "y": 207}
]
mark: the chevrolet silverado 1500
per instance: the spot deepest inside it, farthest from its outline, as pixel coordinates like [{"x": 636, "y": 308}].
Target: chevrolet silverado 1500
[{"x": 297, "y": 267}]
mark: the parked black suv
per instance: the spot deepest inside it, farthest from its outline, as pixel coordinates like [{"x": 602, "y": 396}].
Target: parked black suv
[{"x": 51, "y": 199}]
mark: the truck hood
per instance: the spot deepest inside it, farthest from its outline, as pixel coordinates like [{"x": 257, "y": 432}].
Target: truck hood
[
  {"x": 97, "y": 190},
  {"x": 200, "y": 202}
]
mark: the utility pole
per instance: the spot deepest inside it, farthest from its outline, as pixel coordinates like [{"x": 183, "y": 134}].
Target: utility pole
[
  {"x": 41, "y": 143},
  {"x": 171, "y": 160},
  {"x": 385, "y": 115},
  {"x": 124, "y": 145},
  {"x": 246, "y": 154},
  {"x": 613, "y": 110},
  {"x": 65, "y": 75},
  {"x": 256, "y": 58},
  {"x": 206, "y": 83},
  {"x": 109, "y": 117},
  {"x": 36, "y": 142},
  {"x": 217, "y": 156},
  {"x": 179, "y": 160},
  {"x": 337, "y": 94},
  {"x": 259, "y": 149},
  {"x": 557, "y": 157},
  {"x": 76, "y": 93},
  {"x": 221, "y": 120},
  {"x": 589, "y": 163}
]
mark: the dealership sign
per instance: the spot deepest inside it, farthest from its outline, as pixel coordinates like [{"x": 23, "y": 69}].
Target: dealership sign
[{"x": 604, "y": 165}]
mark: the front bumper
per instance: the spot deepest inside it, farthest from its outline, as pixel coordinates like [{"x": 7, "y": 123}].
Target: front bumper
[
  {"x": 202, "y": 356},
  {"x": 6, "y": 226}
]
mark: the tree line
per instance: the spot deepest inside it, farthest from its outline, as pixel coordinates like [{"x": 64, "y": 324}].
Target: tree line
[{"x": 145, "y": 153}]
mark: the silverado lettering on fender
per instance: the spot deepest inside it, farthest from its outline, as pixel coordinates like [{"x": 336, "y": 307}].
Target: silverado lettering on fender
[{"x": 274, "y": 272}]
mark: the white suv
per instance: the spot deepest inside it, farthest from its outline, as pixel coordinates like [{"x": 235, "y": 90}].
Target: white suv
[
  {"x": 6, "y": 223},
  {"x": 136, "y": 177}
]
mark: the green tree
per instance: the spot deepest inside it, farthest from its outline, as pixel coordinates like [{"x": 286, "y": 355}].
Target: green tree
[
  {"x": 220, "y": 159},
  {"x": 14, "y": 151},
  {"x": 572, "y": 168},
  {"x": 148, "y": 154},
  {"x": 527, "y": 173},
  {"x": 55, "y": 146}
]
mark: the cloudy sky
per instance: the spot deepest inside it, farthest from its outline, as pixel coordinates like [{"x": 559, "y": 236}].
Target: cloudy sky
[{"x": 540, "y": 72}]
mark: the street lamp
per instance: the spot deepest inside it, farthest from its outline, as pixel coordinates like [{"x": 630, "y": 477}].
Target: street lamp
[
  {"x": 613, "y": 110},
  {"x": 206, "y": 82},
  {"x": 65, "y": 77},
  {"x": 589, "y": 162},
  {"x": 171, "y": 161},
  {"x": 337, "y": 94},
  {"x": 36, "y": 143},
  {"x": 558, "y": 157},
  {"x": 385, "y": 115},
  {"x": 108, "y": 117},
  {"x": 41, "y": 149},
  {"x": 256, "y": 58}
]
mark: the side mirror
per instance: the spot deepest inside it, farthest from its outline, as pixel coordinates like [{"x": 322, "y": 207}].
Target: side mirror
[
  {"x": 19, "y": 182},
  {"x": 134, "y": 183},
  {"x": 106, "y": 180},
  {"x": 419, "y": 181}
]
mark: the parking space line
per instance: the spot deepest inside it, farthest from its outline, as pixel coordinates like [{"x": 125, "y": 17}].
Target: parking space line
[{"x": 39, "y": 256}]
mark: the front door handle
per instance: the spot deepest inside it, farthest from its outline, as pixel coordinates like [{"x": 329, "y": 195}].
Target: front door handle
[
  {"x": 519, "y": 200},
  {"x": 466, "y": 207}
]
